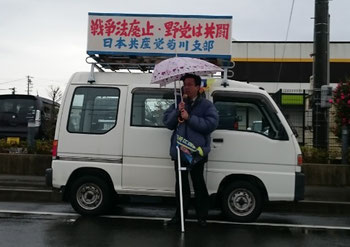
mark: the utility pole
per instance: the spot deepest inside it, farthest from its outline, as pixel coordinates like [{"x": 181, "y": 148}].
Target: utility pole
[
  {"x": 29, "y": 84},
  {"x": 13, "y": 90},
  {"x": 320, "y": 73}
]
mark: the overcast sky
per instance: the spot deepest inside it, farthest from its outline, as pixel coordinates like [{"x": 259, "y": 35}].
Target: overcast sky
[{"x": 46, "y": 39}]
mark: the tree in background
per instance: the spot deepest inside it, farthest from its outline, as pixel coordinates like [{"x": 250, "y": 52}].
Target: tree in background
[
  {"x": 55, "y": 95},
  {"x": 341, "y": 103}
]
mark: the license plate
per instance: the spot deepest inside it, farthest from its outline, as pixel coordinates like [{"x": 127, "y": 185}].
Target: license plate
[{"x": 12, "y": 140}]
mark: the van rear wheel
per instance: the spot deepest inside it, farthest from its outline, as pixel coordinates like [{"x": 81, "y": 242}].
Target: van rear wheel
[
  {"x": 242, "y": 201},
  {"x": 90, "y": 195}
]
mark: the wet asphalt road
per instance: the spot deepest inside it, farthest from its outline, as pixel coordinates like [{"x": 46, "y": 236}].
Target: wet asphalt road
[{"x": 34, "y": 224}]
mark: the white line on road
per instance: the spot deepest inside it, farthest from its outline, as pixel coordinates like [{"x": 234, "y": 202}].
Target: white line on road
[
  {"x": 315, "y": 227},
  {"x": 26, "y": 190},
  {"x": 318, "y": 227},
  {"x": 37, "y": 213}
]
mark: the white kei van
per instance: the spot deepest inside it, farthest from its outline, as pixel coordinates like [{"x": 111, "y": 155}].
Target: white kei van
[{"x": 110, "y": 140}]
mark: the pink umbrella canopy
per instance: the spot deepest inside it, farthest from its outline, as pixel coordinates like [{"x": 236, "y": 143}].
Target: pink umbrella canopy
[{"x": 172, "y": 69}]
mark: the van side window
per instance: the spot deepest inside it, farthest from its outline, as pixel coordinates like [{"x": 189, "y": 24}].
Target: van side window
[
  {"x": 149, "y": 105},
  {"x": 251, "y": 115},
  {"x": 93, "y": 110}
]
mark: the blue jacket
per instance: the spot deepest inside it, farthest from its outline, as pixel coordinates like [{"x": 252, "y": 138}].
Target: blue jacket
[{"x": 202, "y": 121}]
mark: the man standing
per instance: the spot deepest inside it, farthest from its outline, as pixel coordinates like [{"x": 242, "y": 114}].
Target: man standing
[{"x": 194, "y": 120}]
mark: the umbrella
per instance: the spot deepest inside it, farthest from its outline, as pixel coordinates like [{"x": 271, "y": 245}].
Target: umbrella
[{"x": 171, "y": 70}]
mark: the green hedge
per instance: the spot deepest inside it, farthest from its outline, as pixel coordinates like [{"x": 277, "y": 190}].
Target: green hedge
[
  {"x": 319, "y": 155},
  {"x": 41, "y": 147}
]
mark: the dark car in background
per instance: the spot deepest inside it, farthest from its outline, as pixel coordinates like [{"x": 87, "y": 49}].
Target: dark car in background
[{"x": 19, "y": 112}]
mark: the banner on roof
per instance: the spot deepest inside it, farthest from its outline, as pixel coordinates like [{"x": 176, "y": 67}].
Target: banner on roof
[{"x": 159, "y": 35}]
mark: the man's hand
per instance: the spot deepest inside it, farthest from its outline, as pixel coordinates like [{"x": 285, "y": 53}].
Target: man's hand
[
  {"x": 181, "y": 106},
  {"x": 184, "y": 114},
  {"x": 185, "y": 150}
]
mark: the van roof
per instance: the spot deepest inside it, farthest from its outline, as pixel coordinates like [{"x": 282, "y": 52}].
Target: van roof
[{"x": 144, "y": 79}]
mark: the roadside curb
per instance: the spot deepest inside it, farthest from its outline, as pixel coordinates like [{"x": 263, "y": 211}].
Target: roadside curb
[
  {"x": 310, "y": 207},
  {"x": 29, "y": 194}
]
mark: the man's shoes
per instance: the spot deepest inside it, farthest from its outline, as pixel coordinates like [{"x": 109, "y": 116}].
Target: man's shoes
[
  {"x": 174, "y": 221},
  {"x": 202, "y": 223}
]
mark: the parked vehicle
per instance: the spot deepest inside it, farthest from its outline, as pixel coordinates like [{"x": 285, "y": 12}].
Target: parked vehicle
[
  {"x": 17, "y": 111},
  {"x": 110, "y": 140}
]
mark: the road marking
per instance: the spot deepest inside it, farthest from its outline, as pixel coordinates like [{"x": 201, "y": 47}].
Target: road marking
[
  {"x": 38, "y": 213},
  {"x": 326, "y": 202},
  {"x": 303, "y": 226},
  {"x": 315, "y": 227},
  {"x": 26, "y": 190}
]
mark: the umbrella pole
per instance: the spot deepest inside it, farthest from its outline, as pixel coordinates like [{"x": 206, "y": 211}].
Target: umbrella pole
[
  {"x": 182, "y": 99},
  {"x": 180, "y": 189},
  {"x": 175, "y": 95},
  {"x": 179, "y": 175}
]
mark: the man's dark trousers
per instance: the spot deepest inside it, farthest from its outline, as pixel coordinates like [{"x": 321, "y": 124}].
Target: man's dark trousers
[{"x": 200, "y": 190}]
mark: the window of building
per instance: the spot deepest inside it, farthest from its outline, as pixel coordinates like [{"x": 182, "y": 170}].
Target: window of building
[{"x": 93, "y": 110}]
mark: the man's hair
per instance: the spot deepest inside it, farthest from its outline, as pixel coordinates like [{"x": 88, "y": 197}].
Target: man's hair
[{"x": 196, "y": 78}]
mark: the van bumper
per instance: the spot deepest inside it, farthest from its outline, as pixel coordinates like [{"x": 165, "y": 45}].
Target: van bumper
[
  {"x": 299, "y": 186},
  {"x": 48, "y": 177}
]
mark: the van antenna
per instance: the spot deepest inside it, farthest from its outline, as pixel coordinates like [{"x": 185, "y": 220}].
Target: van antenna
[
  {"x": 91, "y": 78},
  {"x": 224, "y": 80},
  {"x": 228, "y": 68}
]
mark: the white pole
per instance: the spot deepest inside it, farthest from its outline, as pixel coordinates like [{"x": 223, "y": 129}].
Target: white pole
[
  {"x": 180, "y": 189},
  {"x": 175, "y": 95},
  {"x": 182, "y": 99}
]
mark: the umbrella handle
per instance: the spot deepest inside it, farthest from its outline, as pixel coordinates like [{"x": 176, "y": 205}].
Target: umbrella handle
[
  {"x": 180, "y": 119},
  {"x": 183, "y": 97}
]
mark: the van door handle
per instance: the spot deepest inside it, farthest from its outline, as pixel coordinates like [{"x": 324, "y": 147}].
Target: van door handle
[{"x": 219, "y": 140}]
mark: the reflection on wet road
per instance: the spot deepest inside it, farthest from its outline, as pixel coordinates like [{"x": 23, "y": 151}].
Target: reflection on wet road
[{"x": 57, "y": 225}]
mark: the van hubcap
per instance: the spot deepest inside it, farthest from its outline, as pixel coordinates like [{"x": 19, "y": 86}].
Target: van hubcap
[
  {"x": 89, "y": 196},
  {"x": 241, "y": 202}
]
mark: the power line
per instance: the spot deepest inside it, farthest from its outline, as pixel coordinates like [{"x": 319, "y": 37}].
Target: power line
[
  {"x": 13, "y": 89},
  {"x": 290, "y": 19},
  {"x": 287, "y": 34},
  {"x": 12, "y": 81},
  {"x": 50, "y": 80}
]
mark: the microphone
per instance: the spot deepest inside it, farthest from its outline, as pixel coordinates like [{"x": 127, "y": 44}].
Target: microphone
[{"x": 184, "y": 97}]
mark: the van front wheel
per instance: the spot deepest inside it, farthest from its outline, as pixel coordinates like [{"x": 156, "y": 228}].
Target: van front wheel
[
  {"x": 242, "y": 201},
  {"x": 90, "y": 195}
]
